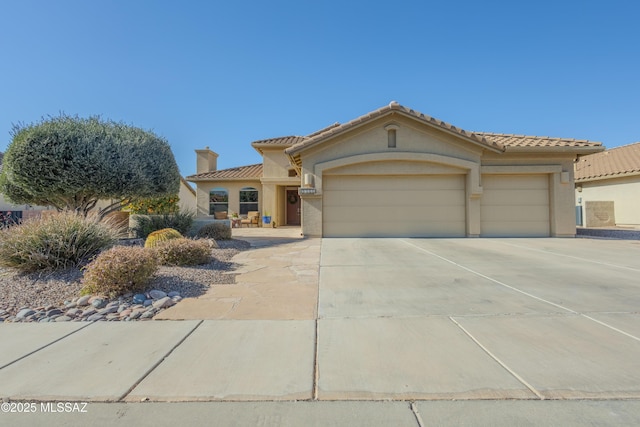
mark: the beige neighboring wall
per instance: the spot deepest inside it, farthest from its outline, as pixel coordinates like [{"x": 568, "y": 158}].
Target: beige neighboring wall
[
  {"x": 27, "y": 210},
  {"x": 624, "y": 192},
  {"x": 187, "y": 196}
]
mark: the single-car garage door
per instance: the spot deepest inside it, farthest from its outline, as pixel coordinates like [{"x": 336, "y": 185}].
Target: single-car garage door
[
  {"x": 515, "y": 205},
  {"x": 393, "y": 206}
]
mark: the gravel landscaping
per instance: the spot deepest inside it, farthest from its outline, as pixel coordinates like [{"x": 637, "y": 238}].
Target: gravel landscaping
[{"x": 55, "y": 296}]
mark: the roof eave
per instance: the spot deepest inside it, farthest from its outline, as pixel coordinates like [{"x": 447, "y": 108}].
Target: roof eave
[
  {"x": 247, "y": 178},
  {"x": 561, "y": 149},
  {"x": 609, "y": 176},
  {"x": 258, "y": 146}
]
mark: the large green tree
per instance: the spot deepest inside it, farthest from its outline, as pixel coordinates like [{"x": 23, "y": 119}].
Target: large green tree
[{"x": 71, "y": 163}]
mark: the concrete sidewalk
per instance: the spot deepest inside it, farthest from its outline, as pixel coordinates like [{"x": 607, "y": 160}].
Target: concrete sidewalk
[
  {"x": 408, "y": 332},
  {"x": 477, "y": 413}
]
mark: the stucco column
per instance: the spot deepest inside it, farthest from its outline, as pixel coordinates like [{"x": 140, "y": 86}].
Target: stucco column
[
  {"x": 269, "y": 200},
  {"x": 474, "y": 194},
  {"x": 562, "y": 205},
  {"x": 311, "y": 215}
]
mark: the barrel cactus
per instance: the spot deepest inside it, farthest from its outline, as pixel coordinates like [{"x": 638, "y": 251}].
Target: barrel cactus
[{"x": 158, "y": 237}]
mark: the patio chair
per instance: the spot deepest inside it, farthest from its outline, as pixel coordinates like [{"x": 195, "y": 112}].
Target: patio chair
[{"x": 252, "y": 218}]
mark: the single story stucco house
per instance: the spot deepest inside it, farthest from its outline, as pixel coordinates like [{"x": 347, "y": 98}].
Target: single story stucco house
[
  {"x": 608, "y": 187},
  {"x": 397, "y": 172}
]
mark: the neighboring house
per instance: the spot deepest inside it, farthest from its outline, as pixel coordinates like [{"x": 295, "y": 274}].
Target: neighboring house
[
  {"x": 608, "y": 187},
  {"x": 10, "y": 213},
  {"x": 397, "y": 172},
  {"x": 187, "y": 196}
]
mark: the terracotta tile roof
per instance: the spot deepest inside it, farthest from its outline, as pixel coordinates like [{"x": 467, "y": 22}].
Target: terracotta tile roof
[
  {"x": 386, "y": 110},
  {"x": 613, "y": 163},
  {"x": 522, "y": 141},
  {"x": 318, "y": 132},
  {"x": 240, "y": 172}
]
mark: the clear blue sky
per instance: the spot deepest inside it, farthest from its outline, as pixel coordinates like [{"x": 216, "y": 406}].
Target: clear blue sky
[{"x": 224, "y": 74}]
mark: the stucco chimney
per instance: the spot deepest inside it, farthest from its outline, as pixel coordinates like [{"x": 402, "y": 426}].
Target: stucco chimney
[{"x": 207, "y": 160}]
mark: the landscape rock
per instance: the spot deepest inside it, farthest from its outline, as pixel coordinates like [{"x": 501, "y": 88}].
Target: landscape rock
[
  {"x": 108, "y": 310},
  {"x": 163, "y": 303},
  {"x": 73, "y": 312},
  {"x": 95, "y": 317},
  {"x": 82, "y": 301},
  {"x": 156, "y": 294},
  {"x": 53, "y": 312},
  {"x": 89, "y": 312},
  {"x": 139, "y": 298},
  {"x": 24, "y": 313},
  {"x": 63, "y": 319},
  {"x": 99, "y": 303}
]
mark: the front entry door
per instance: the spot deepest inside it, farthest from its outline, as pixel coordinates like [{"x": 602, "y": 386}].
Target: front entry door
[{"x": 293, "y": 207}]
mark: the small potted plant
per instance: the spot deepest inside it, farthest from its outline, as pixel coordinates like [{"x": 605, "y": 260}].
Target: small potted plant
[{"x": 266, "y": 218}]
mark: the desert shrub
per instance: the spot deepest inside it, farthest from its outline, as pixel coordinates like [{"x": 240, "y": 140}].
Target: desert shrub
[
  {"x": 161, "y": 236},
  {"x": 120, "y": 270},
  {"x": 54, "y": 242},
  {"x": 145, "y": 225},
  {"x": 183, "y": 252},
  {"x": 216, "y": 231}
]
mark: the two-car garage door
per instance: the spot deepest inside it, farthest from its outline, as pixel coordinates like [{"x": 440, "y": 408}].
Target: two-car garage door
[
  {"x": 433, "y": 206},
  {"x": 394, "y": 206}
]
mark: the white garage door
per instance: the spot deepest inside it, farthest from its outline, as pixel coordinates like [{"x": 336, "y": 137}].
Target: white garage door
[
  {"x": 394, "y": 206},
  {"x": 515, "y": 205}
]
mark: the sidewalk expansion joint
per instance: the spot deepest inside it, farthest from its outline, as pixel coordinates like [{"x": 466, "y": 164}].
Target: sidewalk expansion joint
[
  {"x": 500, "y": 362},
  {"x": 316, "y": 373},
  {"x": 155, "y": 365},
  {"x": 416, "y": 414}
]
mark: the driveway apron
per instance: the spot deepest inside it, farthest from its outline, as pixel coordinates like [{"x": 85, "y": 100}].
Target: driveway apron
[{"x": 478, "y": 318}]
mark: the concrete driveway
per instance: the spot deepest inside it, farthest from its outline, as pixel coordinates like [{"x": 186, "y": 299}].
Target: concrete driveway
[{"x": 479, "y": 319}]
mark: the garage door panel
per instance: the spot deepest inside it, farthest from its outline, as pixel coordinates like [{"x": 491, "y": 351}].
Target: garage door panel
[
  {"x": 510, "y": 229},
  {"x": 516, "y": 197},
  {"x": 515, "y": 182},
  {"x": 396, "y": 229},
  {"x": 394, "y": 198},
  {"x": 394, "y": 206},
  {"x": 515, "y": 213},
  {"x": 384, "y": 183},
  {"x": 394, "y": 214},
  {"x": 515, "y": 205}
]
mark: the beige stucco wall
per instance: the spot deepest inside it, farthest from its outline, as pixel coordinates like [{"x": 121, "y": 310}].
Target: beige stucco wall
[
  {"x": 233, "y": 187},
  {"x": 623, "y": 192},
  {"x": 421, "y": 149},
  {"x": 187, "y": 198},
  {"x": 275, "y": 164}
]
